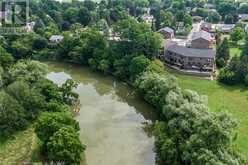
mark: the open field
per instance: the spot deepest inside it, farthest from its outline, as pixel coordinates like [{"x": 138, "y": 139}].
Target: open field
[{"x": 232, "y": 99}]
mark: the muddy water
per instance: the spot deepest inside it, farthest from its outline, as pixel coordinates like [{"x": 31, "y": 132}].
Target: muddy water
[{"x": 111, "y": 119}]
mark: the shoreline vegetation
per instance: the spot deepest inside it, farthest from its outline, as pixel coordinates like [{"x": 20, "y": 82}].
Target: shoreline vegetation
[{"x": 110, "y": 37}]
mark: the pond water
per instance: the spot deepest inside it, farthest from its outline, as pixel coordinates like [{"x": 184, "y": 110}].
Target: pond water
[{"x": 112, "y": 118}]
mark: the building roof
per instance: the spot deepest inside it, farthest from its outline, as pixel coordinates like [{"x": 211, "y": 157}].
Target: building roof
[
  {"x": 166, "y": 29},
  {"x": 246, "y": 28},
  {"x": 56, "y": 37},
  {"x": 202, "y": 34},
  {"x": 226, "y": 27},
  {"x": 243, "y": 17},
  {"x": 191, "y": 52}
]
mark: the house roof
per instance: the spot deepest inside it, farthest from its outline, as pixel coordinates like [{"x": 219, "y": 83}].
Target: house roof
[
  {"x": 226, "y": 27},
  {"x": 191, "y": 52},
  {"x": 166, "y": 29},
  {"x": 243, "y": 17},
  {"x": 202, "y": 34},
  {"x": 56, "y": 37},
  {"x": 246, "y": 28}
]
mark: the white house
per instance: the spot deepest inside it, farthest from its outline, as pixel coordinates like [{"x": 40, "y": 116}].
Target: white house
[
  {"x": 246, "y": 28},
  {"x": 56, "y": 38}
]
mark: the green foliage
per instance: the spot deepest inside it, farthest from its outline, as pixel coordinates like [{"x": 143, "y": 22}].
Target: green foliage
[
  {"x": 6, "y": 59},
  {"x": 29, "y": 98},
  {"x": 30, "y": 71},
  {"x": 155, "y": 87},
  {"x": 65, "y": 146},
  {"x": 12, "y": 115},
  {"x": 68, "y": 95},
  {"x": 237, "y": 34},
  {"x": 223, "y": 53},
  {"x": 139, "y": 38},
  {"x": 156, "y": 66},
  {"x": 138, "y": 66},
  {"x": 50, "y": 122}
]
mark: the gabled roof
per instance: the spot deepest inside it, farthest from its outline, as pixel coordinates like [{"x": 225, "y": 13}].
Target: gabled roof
[
  {"x": 166, "y": 29},
  {"x": 191, "y": 52},
  {"x": 202, "y": 34}
]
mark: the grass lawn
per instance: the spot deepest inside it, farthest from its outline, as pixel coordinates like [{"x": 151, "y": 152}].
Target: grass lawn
[
  {"x": 235, "y": 51},
  {"x": 232, "y": 99},
  {"x": 22, "y": 147}
]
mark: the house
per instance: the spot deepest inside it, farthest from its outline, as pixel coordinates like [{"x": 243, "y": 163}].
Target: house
[
  {"x": 225, "y": 28},
  {"x": 209, "y": 6},
  {"x": 206, "y": 27},
  {"x": 246, "y": 28},
  {"x": 56, "y": 38},
  {"x": 243, "y": 17},
  {"x": 167, "y": 32},
  {"x": 202, "y": 40},
  {"x": 183, "y": 58}
]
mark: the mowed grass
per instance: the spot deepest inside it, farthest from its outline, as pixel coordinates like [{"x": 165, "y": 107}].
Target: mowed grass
[
  {"x": 232, "y": 99},
  {"x": 20, "y": 148}
]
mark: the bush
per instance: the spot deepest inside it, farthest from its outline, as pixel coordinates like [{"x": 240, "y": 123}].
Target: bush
[
  {"x": 227, "y": 76},
  {"x": 220, "y": 62},
  {"x": 48, "y": 123},
  {"x": 64, "y": 146}
]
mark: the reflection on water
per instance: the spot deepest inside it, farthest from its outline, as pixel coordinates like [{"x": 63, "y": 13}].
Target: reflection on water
[{"x": 111, "y": 118}]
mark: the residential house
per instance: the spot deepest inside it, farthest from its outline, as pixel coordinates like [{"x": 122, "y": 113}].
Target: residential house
[
  {"x": 243, "y": 17},
  {"x": 246, "y": 28},
  {"x": 167, "y": 32},
  {"x": 225, "y": 28},
  {"x": 202, "y": 40},
  {"x": 56, "y": 38},
  {"x": 183, "y": 58}
]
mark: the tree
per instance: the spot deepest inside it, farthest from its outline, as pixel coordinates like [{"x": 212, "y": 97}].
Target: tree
[
  {"x": 65, "y": 146},
  {"x": 50, "y": 122},
  {"x": 6, "y": 59},
  {"x": 138, "y": 66},
  {"x": 12, "y": 115},
  {"x": 29, "y": 98},
  {"x": 68, "y": 95},
  {"x": 213, "y": 17},
  {"x": 167, "y": 19},
  {"x": 84, "y": 16},
  {"x": 245, "y": 49},
  {"x": 237, "y": 34},
  {"x": 71, "y": 14},
  {"x": 243, "y": 8},
  {"x": 30, "y": 71},
  {"x": 223, "y": 53},
  {"x": 138, "y": 38},
  {"x": 40, "y": 43}
]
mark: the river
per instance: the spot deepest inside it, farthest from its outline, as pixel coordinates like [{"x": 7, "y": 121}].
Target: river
[{"x": 112, "y": 118}]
